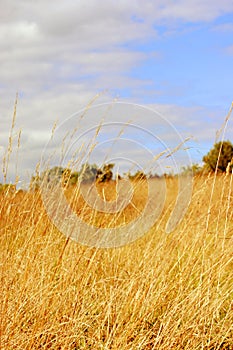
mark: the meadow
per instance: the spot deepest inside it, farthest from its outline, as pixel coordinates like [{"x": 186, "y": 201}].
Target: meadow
[{"x": 163, "y": 291}]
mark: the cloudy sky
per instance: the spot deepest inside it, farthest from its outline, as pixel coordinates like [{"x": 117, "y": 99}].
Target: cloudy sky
[{"x": 175, "y": 57}]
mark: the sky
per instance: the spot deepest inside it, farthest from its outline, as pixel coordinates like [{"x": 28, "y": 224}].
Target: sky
[{"x": 171, "y": 57}]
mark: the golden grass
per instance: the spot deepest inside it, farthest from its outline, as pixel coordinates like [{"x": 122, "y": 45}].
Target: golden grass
[
  {"x": 107, "y": 191},
  {"x": 161, "y": 292}
]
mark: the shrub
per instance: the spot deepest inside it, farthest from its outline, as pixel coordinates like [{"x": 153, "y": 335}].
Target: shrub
[{"x": 219, "y": 156}]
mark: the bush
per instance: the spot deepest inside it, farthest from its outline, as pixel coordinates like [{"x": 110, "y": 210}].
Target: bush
[
  {"x": 105, "y": 173},
  {"x": 87, "y": 173},
  {"x": 139, "y": 175},
  {"x": 194, "y": 169},
  {"x": 219, "y": 156}
]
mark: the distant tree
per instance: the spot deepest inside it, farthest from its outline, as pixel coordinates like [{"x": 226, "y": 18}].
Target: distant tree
[
  {"x": 219, "y": 156},
  {"x": 35, "y": 182},
  {"x": 88, "y": 172},
  {"x": 105, "y": 173},
  {"x": 139, "y": 175},
  {"x": 49, "y": 175},
  {"x": 118, "y": 177},
  {"x": 193, "y": 169},
  {"x": 66, "y": 175},
  {"x": 155, "y": 176},
  {"x": 54, "y": 173},
  {"x": 73, "y": 178}
]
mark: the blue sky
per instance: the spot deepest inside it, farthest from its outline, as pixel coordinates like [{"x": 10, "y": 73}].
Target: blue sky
[
  {"x": 193, "y": 64},
  {"x": 173, "y": 56}
]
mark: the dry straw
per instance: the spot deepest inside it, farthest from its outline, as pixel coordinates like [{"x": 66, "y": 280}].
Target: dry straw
[{"x": 161, "y": 292}]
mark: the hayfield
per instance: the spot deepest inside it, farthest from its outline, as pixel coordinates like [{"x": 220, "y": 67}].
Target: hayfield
[{"x": 163, "y": 291}]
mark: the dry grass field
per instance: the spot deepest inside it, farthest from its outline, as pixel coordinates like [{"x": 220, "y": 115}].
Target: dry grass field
[{"x": 163, "y": 291}]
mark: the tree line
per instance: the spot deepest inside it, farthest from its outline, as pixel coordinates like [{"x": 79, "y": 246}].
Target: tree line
[{"x": 219, "y": 158}]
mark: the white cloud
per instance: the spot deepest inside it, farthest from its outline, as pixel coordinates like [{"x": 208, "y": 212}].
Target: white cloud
[
  {"x": 59, "y": 54},
  {"x": 189, "y": 11},
  {"x": 36, "y": 119},
  {"x": 47, "y": 43},
  {"x": 22, "y": 31}
]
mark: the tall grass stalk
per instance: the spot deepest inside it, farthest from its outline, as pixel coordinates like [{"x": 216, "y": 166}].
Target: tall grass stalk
[{"x": 160, "y": 292}]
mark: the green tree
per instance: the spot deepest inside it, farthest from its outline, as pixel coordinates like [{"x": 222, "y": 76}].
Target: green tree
[
  {"x": 105, "y": 173},
  {"x": 73, "y": 178},
  {"x": 139, "y": 175},
  {"x": 219, "y": 156},
  {"x": 35, "y": 182},
  {"x": 52, "y": 174},
  {"x": 88, "y": 172},
  {"x": 47, "y": 176},
  {"x": 194, "y": 169}
]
